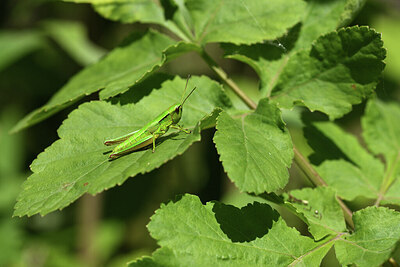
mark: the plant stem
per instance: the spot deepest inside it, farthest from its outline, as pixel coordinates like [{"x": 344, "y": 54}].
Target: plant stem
[
  {"x": 316, "y": 179},
  {"x": 300, "y": 160},
  {"x": 222, "y": 74}
]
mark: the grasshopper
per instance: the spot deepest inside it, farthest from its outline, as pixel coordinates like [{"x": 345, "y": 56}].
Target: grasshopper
[{"x": 151, "y": 131}]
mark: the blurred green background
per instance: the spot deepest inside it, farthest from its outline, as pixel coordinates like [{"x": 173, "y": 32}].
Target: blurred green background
[{"x": 42, "y": 44}]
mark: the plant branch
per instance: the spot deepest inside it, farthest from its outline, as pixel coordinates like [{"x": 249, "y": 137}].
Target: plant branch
[
  {"x": 317, "y": 180},
  {"x": 222, "y": 74},
  {"x": 300, "y": 160}
]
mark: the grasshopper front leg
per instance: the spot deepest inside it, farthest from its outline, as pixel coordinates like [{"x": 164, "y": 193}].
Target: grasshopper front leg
[{"x": 180, "y": 128}]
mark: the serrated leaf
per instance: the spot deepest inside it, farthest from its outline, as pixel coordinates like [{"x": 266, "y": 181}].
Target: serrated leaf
[
  {"x": 254, "y": 20},
  {"x": 205, "y": 21},
  {"x": 321, "y": 210},
  {"x": 340, "y": 70},
  {"x": 190, "y": 232},
  {"x": 78, "y": 162},
  {"x": 134, "y": 60},
  {"x": 255, "y": 149},
  {"x": 377, "y": 230},
  {"x": 269, "y": 59}
]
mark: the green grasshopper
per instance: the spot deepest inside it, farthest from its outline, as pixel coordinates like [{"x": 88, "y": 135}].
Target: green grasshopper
[{"x": 151, "y": 131}]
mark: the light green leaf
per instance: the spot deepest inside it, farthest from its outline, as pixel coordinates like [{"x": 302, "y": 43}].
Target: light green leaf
[
  {"x": 361, "y": 173},
  {"x": 255, "y": 149},
  {"x": 388, "y": 24},
  {"x": 135, "y": 59},
  {"x": 242, "y": 21},
  {"x": 377, "y": 230},
  {"x": 381, "y": 132},
  {"x": 78, "y": 163},
  {"x": 270, "y": 58},
  {"x": 16, "y": 44},
  {"x": 73, "y": 38},
  {"x": 340, "y": 70},
  {"x": 205, "y": 21},
  {"x": 321, "y": 210},
  {"x": 189, "y": 232}
]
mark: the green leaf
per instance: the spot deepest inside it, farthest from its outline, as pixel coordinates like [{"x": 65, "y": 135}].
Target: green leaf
[
  {"x": 135, "y": 59},
  {"x": 255, "y": 149},
  {"x": 73, "y": 38},
  {"x": 205, "y": 21},
  {"x": 340, "y": 70},
  {"x": 377, "y": 230},
  {"x": 388, "y": 24},
  {"x": 242, "y": 22},
  {"x": 16, "y": 44},
  {"x": 78, "y": 163},
  {"x": 360, "y": 175},
  {"x": 189, "y": 232},
  {"x": 270, "y": 58},
  {"x": 321, "y": 210},
  {"x": 381, "y": 132}
]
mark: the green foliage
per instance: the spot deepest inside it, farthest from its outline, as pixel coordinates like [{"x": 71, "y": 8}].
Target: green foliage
[
  {"x": 78, "y": 162},
  {"x": 243, "y": 143},
  {"x": 303, "y": 54},
  {"x": 136, "y": 58},
  {"x": 206, "y": 236},
  {"x": 364, "y": 174},
  {"x": 376, "y": 232}
]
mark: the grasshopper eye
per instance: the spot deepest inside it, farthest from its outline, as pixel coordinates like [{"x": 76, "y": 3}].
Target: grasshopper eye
[{"x": 178, "y": 109}]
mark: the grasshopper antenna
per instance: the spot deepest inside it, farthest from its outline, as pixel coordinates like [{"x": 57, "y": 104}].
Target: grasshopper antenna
[
  {"x": 188, "y": 95},
  {"x": 187, "y": 81}
]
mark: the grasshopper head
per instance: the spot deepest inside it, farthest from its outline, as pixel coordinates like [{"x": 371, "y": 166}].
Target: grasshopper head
[{"x": 177, "y": 113}]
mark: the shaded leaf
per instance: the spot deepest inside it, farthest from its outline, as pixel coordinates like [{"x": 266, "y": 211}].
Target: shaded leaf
[
  {"x": 377, "y": 230},
  {"x": 189, "y": 232},
  {"x": 255, "y": 149},
  {"x": 381, "y": 132},
  {"x": 362, "y": 173},
  {"x": 270, "y": 58},
  {"x": 134, "y": 60},
  {"x": 340, "y": 70},
  {"x": 16, "y": 44},
  {"x": 78, "y": 163},
  {"x": 321, "y": 210},
  {"x": 73, "y": 38}
]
